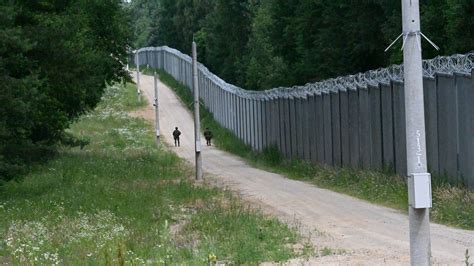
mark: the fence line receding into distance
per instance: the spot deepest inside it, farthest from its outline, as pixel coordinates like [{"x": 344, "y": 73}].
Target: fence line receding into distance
[{"x": 351, "y": 121}]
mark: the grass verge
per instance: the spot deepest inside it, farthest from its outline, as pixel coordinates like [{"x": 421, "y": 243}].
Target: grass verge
[
  {"x": 452, "y": 204},
  {"x": 120, "y": 200}
]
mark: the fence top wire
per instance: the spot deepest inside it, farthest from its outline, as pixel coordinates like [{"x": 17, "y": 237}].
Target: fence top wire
[{"x": 458, "y": 63}]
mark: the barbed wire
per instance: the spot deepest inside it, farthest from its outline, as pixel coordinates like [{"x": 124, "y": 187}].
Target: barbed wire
[{"x": 458, "y": 63}]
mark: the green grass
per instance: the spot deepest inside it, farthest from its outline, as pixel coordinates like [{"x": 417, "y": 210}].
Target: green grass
[
  {"x": 452, "y": 204},
  {"x": 122, "y": 200}
]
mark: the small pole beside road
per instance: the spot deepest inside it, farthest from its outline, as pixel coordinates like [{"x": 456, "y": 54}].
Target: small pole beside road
[
  {"x": 419, "y": 180},
  {"x": 157, "y": 111},
  {"x": 197, "y": 126},
  {"x": 138, "y": 76}
]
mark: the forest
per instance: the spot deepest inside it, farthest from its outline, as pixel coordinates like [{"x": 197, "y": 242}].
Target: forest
[{"x": 261, "y": 44}]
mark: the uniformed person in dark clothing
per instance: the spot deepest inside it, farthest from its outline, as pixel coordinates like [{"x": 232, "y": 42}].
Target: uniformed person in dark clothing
[
  {"x": 176, "y": 134},
  {"x": 208, "y": 136}
]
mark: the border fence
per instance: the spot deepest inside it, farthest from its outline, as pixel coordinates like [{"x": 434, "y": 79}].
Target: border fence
[{"x": 351, "y": 121}]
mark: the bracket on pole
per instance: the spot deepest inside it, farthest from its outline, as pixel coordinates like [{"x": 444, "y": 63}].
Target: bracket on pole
[{"x": 405, "y": 36}]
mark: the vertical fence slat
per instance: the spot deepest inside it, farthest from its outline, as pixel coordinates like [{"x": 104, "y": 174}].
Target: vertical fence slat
[
  {"x": 283, "y": 107},
  {"x": 387, "y": 127},
  {"x": 305, "y": 129},
  {"x": 465, "y": 89},
  {"x": 365, "y": 140},
  {"x": 345, "y": 148},
  {"x": 327, "y": 125},
  {"x": 292, "y": 122},
  {"x": 336, "y": 129},
  {"x": 447, "y": 125},
  {"x": 272, "y": 114},
  {"x": 299, "y": 128},
  {"x": 319, "y": 128},
  {"x": 376, "y": 127},
  {"x": 431, "y": 124},
  {"x": 240, "y": 118},
  {"x": 399, "y": 128},
  {"x": 259, "y": 124},
  {"x": 265, "y": 123},
  {"x": 313, "y": 145},
  {"x": 289, "y": 122},
  {"x": 276, "y": 127},
  {"x": 354, "y": 128}
]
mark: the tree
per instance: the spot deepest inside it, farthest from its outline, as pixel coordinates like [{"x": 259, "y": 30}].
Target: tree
[
  {"x": 227, "y": 29},
  {"x": 57, "y": 57},
  {"x": 258, "y": 44},
  {"x": 262, "y": 69}
]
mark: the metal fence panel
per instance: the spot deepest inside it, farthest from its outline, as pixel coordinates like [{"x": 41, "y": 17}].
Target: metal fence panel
[
  {"x": 447, "y": 125},
  {"x": 387, "y": 127},
  {"x": 354, "y": 128},
  {"x": 292, "y": 133},
  {"x": 287, "y": 123},
  {"x": 240, "y": 120},
  {"x": 248, "y": 132},
  {"x": 319, "y": 128},
  {"x": 252, "y": 135},
  {"x": 399, "y": 128},
  {"x": 365, "y": 140},
  {"x": 299, "y": 128},
  {"x": 284, "y": 118},
  {"x": 258, "y": 127},
  {"x": 327, "y": 129},
  {"x": 265, "y": 125},
  {"x": 291, "y": 139},
  {"x": 465, "y": 88},
  {"x": 431, "y": 124},
  {"x": 276, "y": 126},
  {"x": 305, "y": 129},
  {"x": 312, "y": 126},
  {"x": 336, "y": 129},
  {"x": 272, "y": 115},
  {"x": 345, "y": 148},
  {"x": 376, "y": 127}
]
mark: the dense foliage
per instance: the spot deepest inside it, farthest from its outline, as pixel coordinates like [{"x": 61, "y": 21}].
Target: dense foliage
[
  {"x": 56, "y": 57},
  {"x": 259, "y": 44}
]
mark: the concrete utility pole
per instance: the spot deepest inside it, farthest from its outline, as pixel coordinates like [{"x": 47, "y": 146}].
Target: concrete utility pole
[
  {"x": 197, "y": 126},
  {"x": 157, "y": 111},
  {"x": 138, "y": 76},
  {"x": 419, "y": 181}
]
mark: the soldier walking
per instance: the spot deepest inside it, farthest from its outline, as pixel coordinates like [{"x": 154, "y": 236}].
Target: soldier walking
[
  {"x": 208, "y": 136},
  {"x": 176, "y": 134}
]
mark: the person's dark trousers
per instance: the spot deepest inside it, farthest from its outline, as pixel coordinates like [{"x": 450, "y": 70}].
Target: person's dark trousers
[{"x": 176, "y": 142}]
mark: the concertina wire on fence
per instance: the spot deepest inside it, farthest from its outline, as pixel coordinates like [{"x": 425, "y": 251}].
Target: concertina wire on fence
[{"x": 458, "y": 63}]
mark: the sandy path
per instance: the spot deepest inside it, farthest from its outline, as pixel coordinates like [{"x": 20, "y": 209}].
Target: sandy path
[{"x": 368, "y": 234}]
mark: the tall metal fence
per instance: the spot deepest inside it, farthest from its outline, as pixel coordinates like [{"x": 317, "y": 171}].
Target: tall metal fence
[{"x": 352, "y": 121}]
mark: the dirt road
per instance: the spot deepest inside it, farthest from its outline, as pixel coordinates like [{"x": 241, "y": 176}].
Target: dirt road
[{"x": 367, "y": 234}]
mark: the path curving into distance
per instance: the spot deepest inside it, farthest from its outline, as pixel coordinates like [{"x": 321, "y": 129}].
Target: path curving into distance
[{"x": 366, "y": 233}]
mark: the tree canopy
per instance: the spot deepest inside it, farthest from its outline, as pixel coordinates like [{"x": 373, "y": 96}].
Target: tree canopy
[
  {"x": 260, "y": 44},
  {"x": 56, "y": 57}
]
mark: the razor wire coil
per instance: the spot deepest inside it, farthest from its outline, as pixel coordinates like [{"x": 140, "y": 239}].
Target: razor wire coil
[{"x": 458, "y": 63}]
